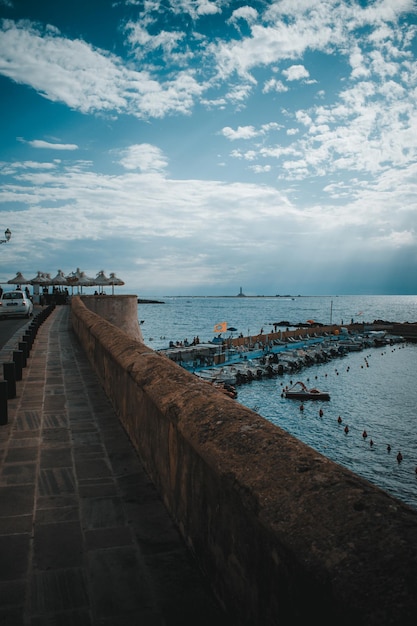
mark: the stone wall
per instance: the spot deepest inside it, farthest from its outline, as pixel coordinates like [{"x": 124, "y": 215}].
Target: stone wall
[
  {"x": 122, "y": 311},
  {"x": 284, "y": 535}
]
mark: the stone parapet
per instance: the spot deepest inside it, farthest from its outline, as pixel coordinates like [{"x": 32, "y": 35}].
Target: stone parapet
[
  {"x": 122, "y": 311},
  {"x": 285, "y": 535}
]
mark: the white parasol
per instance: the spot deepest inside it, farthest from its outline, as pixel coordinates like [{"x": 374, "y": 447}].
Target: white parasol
[
  {"x": 41, "y": 279},
  {"x": 79, "y": 279},
  {"x": 101, "y": 280},
  {"x": 85, "y": 281},
  {"x": 59, "y": 279},
  {"x": 114, "y": 280},
  {"x": 19, "y": 279}
]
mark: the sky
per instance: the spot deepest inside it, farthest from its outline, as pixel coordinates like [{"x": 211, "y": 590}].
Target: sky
[{"x": 196, "y": 147}]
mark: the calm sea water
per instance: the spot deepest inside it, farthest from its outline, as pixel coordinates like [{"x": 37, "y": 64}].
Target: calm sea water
[{"x": 372, "y": 390}]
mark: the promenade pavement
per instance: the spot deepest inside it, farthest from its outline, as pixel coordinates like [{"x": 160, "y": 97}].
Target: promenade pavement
[{"x": 84, "y": 537}]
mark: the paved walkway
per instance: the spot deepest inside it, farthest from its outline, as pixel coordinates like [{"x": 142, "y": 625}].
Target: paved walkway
[{"x": 84, "y": 538}]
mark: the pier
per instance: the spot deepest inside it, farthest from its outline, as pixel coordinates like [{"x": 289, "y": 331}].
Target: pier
[
  {"x": 137, "y": 494},
  {"x": 243, "y": 359}
]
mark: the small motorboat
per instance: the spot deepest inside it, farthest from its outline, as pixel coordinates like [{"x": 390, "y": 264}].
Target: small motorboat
[{"x": 300, "y": 392}]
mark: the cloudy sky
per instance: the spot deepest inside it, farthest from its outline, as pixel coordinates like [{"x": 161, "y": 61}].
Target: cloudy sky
[{"x": 198, "y": 146}]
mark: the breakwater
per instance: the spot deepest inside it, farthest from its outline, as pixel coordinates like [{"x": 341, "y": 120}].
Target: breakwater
[{"x": 284, "y": 535}]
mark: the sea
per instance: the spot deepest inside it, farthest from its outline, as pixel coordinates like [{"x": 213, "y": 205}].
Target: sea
[{"x": 372, "y": 392}]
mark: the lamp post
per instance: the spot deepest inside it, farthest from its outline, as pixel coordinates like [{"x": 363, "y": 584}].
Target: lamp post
[{"x": 7, "y": 234}]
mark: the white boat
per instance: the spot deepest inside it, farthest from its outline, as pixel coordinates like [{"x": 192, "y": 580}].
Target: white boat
[
  {"x": 300, "y": 392},
  {"x": 224, "y": 375}
]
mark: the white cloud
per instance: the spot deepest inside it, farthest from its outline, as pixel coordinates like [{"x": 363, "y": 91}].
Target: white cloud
[
  {"x": 357, "y": 61},
  {"x": 87, "y": 79},
  {"x": 296, "y": 72},
  {"x": 260, "y": 169},
  {"x": 247, "y": 13},
  {"x": 143, "y": 43},
  {"x": 143, "y": 157},
  {"x": 161, "y": 221},
  {"x": 396, "y": 239},
  {"x": 337, "y": 156},
  {"x": 39, "y": 143},
  {"x": 195, "y": 8},
  {"x": 248, "y": 155},
  {"x": 274, "y": 85},
  {"x": 242, "y": 132}
]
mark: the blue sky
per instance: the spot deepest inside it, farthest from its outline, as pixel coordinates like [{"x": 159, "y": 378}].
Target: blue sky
[{"x": 198, "y": 146}]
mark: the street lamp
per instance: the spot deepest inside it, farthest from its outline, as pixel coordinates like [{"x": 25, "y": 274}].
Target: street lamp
[{"x": 7, "y": 234}]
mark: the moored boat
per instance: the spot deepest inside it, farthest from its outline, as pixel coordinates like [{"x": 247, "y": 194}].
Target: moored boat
[{"x": 300, "y": 392}]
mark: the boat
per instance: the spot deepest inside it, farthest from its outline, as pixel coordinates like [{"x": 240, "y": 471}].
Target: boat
[
  {"x": 224, "y": 375},
  {"x": 300, "y": 392}
]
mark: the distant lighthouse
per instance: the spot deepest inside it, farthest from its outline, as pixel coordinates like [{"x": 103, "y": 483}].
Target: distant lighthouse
[{"x": 241, "y": 294}]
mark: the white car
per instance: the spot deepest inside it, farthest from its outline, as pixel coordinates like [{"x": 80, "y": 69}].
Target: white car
[{"x": 15, "y": 303}]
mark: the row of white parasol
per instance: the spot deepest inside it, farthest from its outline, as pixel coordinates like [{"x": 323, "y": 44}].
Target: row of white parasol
[{"x": 74, "y": 279}]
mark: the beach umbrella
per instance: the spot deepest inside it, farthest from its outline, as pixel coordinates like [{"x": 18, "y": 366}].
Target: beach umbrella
[
  {"x": 40, "y": 279},
  {"x": 19, "y": 279},
  {"x": 80, "y": 279},
  {"x": 85, "y": 281},
  {"x": 72, "y": 278},
  {"x": 102, "y": 280},
  {"x": 311, "y": 322},
  {"x": 59, "y": 279},
  {"x": 114, "y": 280}
]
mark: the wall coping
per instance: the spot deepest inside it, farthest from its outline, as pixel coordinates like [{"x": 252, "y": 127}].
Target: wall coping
[{"x": 328, "y": 542}]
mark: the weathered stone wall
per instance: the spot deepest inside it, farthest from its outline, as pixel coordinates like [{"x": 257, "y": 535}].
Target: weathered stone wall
[
  {"x": 286, "y": 536},
  {"x": 122, "y": 311}
]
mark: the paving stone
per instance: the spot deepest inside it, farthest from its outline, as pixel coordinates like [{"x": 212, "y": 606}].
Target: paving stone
[
  {"x": 69, "y": 618},
  {"x": 12, "y": 616},
  {"x": 55, "y": 403},
  {"x": 83, "y": 439},
  {"x": 57, "y": 514},
  {"x": 108, "y": 537},
  {"x": 19, "y": 474},
  {"x": 102, "y": 512},
  {"x": 14, "y": 550},
  {"x": 119, "y": 582},
  {"x": 12, "y": 594},
  {"x": 21, "y": 454},
  {"x": 56, "y": 481},
  {"x": 97, "y": 489},
  {"x": 57, "y": 590},
  {"x": 25, "y": 439},
  {"x": 55, "y": 437},
  {"x": 56, "y": 457},
  {"x": 58, "y": 545},
  {"x": 16, "y": 524},
  {"x": 55, "y": 420},
  {"x": 58, "y": 501},
  {"x": 85, "y": 540},
  {"x": 16, "y": 500},
  {"x": 92, "y": 468}
]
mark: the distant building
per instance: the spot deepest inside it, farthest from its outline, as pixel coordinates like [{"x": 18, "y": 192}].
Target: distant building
[{"x": 241, "y": 294}]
